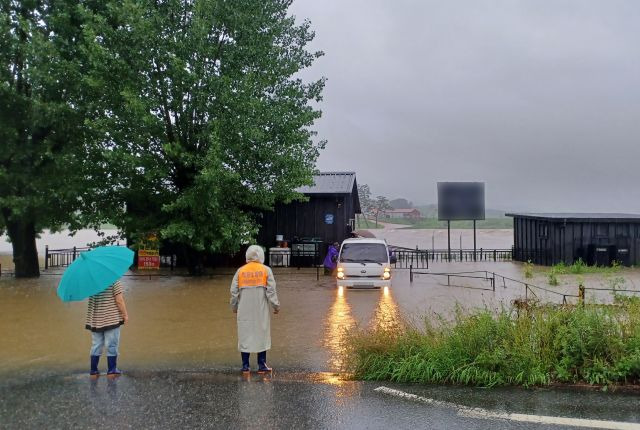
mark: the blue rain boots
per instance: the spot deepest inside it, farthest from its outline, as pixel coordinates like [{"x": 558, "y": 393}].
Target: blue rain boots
[
  {"x": 245, "y": 362},
  {"x": 94, "y": 365},
  {"x": 113, "y": 369},
  {"x": 262, "y": 363}
]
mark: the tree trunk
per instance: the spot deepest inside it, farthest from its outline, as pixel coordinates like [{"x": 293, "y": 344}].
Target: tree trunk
[
  {"x": 193, "y": 260},
  {"x": 25, "y": 253}
]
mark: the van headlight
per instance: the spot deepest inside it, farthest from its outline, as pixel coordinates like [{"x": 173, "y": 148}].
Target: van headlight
[
  {"x": 340, "y": 273},
  {"x": 387, "y": 273}
]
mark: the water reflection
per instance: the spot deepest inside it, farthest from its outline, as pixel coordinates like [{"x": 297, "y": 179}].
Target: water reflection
[
  {"x": 341, "y": 319},
  {"x": 387, "y": 315},
  {"x": 338, "y": 323}
]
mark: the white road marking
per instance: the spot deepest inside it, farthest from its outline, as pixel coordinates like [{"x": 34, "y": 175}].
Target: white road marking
[{"x": 465, "y": 411}]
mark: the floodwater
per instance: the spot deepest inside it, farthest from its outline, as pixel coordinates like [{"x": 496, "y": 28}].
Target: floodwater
[
  {"x": 179, "y": 322},
  {"x": 185, "y": 323},
  {"x": 437, "y": 238}
]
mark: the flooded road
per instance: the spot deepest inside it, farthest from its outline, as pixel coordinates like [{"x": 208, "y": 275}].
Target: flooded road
[
  {"x": 180, "y": 358},
  {"x": 185, "y": 323}
]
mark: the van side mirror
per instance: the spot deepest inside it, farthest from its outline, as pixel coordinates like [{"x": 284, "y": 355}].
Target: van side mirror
[{"x": 393, "y": 259}]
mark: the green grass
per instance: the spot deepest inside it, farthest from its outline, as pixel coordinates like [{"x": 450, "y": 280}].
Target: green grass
[
  {"x": 536, "y": 346},
  {"x": 552, "y": 277},
  {"x": 580, "y": 267},
  {"x": 424, "y": 223},
  {"x": 528, "y": 269}
]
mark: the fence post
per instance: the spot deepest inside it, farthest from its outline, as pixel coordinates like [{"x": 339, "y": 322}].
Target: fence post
[
  {"x": 411, "y": 273},
  {"x": 46, "y": 257},
  {"x": 74, "y": 254},
  {"x": 581, "y": 294},
  {"x": 317, "y": 272},
  {"x": 493, "y": 282},
  {"x": 494, "y": 255}
]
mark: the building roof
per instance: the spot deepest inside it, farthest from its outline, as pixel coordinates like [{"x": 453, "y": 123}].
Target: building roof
[
  {"x": 584, "y": 217},
  {"x": 330, "y": 183}
]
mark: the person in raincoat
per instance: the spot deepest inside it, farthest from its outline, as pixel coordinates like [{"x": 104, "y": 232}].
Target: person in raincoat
[
  {"x": 330, "y": 261},
  {"x": 253, "y": 291}
]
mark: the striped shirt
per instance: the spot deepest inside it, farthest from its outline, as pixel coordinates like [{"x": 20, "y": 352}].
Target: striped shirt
[{"x": 103, "y": 313}]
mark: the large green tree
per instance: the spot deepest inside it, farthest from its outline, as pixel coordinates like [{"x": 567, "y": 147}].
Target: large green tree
[
  {"x": 41, "y": 133},
  {"x": 204, "y": 120}
]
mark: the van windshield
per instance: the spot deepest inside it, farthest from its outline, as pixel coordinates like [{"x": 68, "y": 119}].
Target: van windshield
[{"x": 364, "y": 253}]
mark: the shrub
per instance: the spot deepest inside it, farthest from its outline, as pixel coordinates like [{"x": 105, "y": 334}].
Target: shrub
[{"x": 528, "y": 269}]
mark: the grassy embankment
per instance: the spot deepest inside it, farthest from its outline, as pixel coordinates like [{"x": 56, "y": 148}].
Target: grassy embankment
[{"x": 535, "y": 347}]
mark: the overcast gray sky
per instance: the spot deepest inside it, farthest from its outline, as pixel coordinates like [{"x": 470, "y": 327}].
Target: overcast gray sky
[{"x": 539, "y": 99}]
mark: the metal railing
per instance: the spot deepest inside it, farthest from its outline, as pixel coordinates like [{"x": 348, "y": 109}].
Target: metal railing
[
  {"x": 62, "y": 257},
  {"x": 406, "y": 258},
  {"x": 420, "y": 258}
]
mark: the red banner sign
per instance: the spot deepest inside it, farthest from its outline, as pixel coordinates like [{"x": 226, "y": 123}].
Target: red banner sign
[{"x": 148, "y": 259}]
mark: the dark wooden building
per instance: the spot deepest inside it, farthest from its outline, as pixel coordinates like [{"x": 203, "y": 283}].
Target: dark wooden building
[
  {"x": 328, "y": 216},
  {"x": 550, "y": 238}
]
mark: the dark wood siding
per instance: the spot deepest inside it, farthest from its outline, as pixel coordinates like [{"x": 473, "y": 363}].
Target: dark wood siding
[
  {"x": 550, "y": 241},
  {"x": 298, "y": 220}
]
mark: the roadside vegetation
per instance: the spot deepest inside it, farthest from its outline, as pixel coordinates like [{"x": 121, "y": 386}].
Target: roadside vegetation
[
  {"x": 535, "y": 346},
  {"x": 552, "y": 277},
  {"x": 528, "y": 269},
  {"x": 577, "y": 268},
  {"x": 580, "y": 267}
]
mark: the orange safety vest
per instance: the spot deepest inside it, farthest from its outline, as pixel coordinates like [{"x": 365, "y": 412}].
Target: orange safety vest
[{"x": 252, "y": 275}]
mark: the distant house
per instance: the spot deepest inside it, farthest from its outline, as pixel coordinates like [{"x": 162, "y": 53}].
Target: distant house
[{"x": 413, "y": 214}]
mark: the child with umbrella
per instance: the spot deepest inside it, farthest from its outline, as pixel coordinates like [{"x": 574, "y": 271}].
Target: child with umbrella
[{"x": 95, "y": 275}]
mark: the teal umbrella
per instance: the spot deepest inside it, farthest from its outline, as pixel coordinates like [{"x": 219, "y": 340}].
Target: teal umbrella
[{"x": 93, "y": 271}]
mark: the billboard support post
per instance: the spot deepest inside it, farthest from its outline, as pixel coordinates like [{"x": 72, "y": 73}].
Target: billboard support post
[
  {"x": 449, "y": 240},
  {"x": 474, "y": 240}
]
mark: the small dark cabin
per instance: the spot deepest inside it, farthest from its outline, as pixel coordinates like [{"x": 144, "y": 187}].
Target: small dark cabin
[
  {"x": 598, "y": 239},
  {"x": 328, "y": 216}
]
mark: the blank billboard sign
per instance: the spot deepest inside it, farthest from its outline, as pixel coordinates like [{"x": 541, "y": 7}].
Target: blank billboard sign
[{"x": 460, "y": 200}]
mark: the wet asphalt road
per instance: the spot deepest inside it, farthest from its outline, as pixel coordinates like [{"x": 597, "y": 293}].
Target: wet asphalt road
[{"x": 224, "y": 399}]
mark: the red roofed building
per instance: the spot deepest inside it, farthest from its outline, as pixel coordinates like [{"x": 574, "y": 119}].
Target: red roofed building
[{"x": 402, "y": 214}]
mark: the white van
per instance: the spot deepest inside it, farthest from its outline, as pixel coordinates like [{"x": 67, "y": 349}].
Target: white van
[{"x": 364, "y": 263}]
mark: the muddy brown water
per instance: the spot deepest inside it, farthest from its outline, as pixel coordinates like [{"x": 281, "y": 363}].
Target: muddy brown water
[
  {"x": 182, "y": 322},
  {"x": 185, "y": 323}
]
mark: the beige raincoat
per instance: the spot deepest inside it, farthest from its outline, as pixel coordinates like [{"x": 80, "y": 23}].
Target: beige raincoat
[{"x": 254, "y": 318}]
